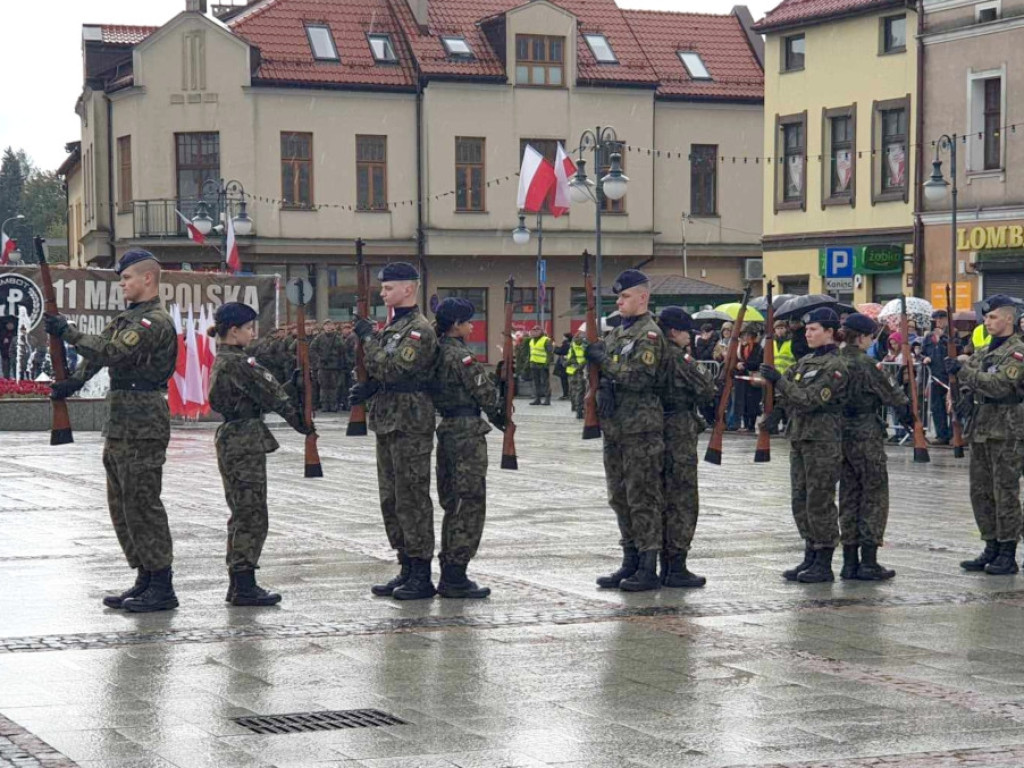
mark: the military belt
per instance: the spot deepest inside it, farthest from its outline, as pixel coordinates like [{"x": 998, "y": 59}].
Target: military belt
[
  {"x": 406, "y": 386},
  {"x": 241, "y": 417},
  {"x": 461, "y": 411},
  {"x": 136, "y": 386},
  {"x": 1011, "y": 400}
]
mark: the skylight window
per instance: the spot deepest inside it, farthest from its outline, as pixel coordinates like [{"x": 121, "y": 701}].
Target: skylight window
[
  {"x": 382, "y": 48},
  {"x": 457, "y": 46},
  {"x": 601, "y": 49},
  {"x": 321, "y": 42},
  {"x": 694, "y": 65}
]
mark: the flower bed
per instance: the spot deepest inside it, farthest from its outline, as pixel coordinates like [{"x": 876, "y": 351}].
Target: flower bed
[{"x": 12, "y": 389}]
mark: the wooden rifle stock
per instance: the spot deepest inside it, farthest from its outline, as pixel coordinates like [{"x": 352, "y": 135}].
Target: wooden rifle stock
[
  {"x": 713, "y": 454},
  {"x": 60, "y": 421},
  {"x": 954, "y": 391},
  {"x": 357, "y": 416},
  {"x": 313, "y": 466},
  {"x": 508, "y": 443},
  {"x": 591, "y": 423},
  {"x": 920, "y": 444},
  {"x": 763, "y": 452}
]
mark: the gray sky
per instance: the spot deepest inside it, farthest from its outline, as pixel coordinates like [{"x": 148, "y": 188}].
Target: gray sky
[{"x": 37, "y": 112}]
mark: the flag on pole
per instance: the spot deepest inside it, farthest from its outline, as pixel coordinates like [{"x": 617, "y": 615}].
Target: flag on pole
[
  {"x": 194, "y": 234},
  {"x": 176, "y": 386},
  {"x": 194, "y": 396},
  {"x": 231, "y": 249},
  {"x": 7, "y": 246},
  {"x": 536, "y": 178},
  {"x": 565, "y": 169}
]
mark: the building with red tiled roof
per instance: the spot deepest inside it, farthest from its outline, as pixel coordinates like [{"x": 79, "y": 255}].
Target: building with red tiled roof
[{"x": 794, "y": 13}]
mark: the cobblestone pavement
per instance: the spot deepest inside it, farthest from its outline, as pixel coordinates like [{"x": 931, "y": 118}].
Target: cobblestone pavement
[{"x": 925, "y": 671}]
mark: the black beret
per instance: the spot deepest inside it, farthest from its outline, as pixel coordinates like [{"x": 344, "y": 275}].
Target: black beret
[
  {"x": 997, "y": 301},
  {"x": 133, "y": 257},
  {"x": 823, "y": 316},
  {"x": 675, "y": 318},
  {"x": 399, "y": 270},
  {"x": 939, "y": 314},
  {"x": 233, "y": 313},
  {"x": 861, "y": 324},
  {"x": 452, "y": 311},
  {"x": 628, "y": 279}
]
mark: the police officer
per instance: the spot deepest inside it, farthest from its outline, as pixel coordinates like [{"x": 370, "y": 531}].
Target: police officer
[
  {"x": 991, "y": 380},
  {"x": 400, "y": 363},
  {"x": 541, "y": 354},
  {"x": 812, "y": 393},
  {"x": 241, "y": 391},
  {"x": 864, "y": 478},
  {"x": 686, "y": 387},
  {"x": 463, "y": 390},
  {"x": 632, "y": 421},
  {"x": 140, "y": 347}
]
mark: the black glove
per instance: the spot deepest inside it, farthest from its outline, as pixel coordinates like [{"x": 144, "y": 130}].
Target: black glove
[
  {"x": 606, "y": 399},
  {"x": 61, "y": 390},
  {"x": 362, "y": 327},
  {"x": 952, "y": 365},
  {"x": 596, "y": 353},
  {"x": 498, "y": 418},
  {"x": 769, "y": 373},
  {"x": 362, "y": 391},
  {"x": 905, "y": 417},
  {"x": 55, "y": 325},
  {"x": 298, "y": 423},
  {"x": 296, "y": 379}
]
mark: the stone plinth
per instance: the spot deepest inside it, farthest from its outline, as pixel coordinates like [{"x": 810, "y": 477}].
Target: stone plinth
[{"x": 33, "y": 414}]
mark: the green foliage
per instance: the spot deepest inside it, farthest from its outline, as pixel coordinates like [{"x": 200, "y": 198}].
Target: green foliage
[{"x": 38, "y": 195}]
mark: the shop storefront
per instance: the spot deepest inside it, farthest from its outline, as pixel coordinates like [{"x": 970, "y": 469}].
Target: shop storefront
[{"x": 989, "y": 256}]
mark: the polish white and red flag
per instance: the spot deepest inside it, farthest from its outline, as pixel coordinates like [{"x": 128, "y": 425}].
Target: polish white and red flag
[
  {"x": 231, "y": 249},
  {"x": 536, "y": 179},
  {"x": 194, "y": 395},
  {"x": 561, "y": 197},
  {"x": 194, "y": 234},
  {"x": 176, "y": 386},
  {"x": 7, "y": 246}
]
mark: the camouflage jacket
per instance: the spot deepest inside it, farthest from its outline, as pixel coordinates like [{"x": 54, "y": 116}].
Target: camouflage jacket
[
  {"x": 813, "y": 392},
  {"x": 242, "y": 390},
  {"x": 462, "y": 382},
  {"x": 685, "y": 386},
  {"x": 140, "y": 345},
  {"x": 329, "y": 349},
  {"x": 992, "y": 379},
  {"x": 401, "y": 359},
  {"x": 867, "y": 391},
  {"x": 634, "y": 361}
]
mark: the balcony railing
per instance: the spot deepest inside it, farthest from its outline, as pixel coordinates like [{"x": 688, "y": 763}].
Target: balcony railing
[{"x": 159, "y": 218}]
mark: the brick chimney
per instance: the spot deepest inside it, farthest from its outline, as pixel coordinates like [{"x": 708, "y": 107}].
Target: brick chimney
[
  {"x": 198, "y": 6},
  {"x": 419, "y": 10}
]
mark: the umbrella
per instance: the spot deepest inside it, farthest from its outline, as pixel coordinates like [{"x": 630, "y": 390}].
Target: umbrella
[
  {"x": 761, "y": 302},
  {"x": 919, "y": 312},
  {"x": 870, "y": 308},
  {"x": 844, "y": 309},
  {"x": 732, "y": 310},
  {"x": 712, "y": 316},
  {"x": 800, "y": 305}
]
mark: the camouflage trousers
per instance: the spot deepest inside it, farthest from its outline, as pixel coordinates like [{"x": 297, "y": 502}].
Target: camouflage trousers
[
  {"x": 330, "y": 385},
  {"x": 863, "y": 492},
  {"x": 632, "y": 469},
  {"x": 577, "y": 388},
  {"x": 403, "y": 475},
  {"x": 462, "y": 490},
  {"x": 682, "y": 502},
  {"x": 244, "y": 473},
  {"x": 134, "y": 479},
  {"x": 995, "y": 494},
  {"x": 813, "y": 473}
]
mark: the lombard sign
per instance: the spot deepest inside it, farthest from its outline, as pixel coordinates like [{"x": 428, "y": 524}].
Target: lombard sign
[
  {"x": 860, "y": 260},
  {"x": 990, "y": 238}
]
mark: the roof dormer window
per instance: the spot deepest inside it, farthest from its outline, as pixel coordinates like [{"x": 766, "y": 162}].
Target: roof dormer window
[
  {"x": 321, "y": 42},
  {"x": 457, "y": 46},
  {"x": 601, "y": 49},
  {"x": 694, "y": 65},
  {"x": 383, "y": 50}
]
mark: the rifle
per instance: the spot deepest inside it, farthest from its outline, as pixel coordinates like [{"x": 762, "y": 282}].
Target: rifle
[
  {"x": 357, "y": 417},
  {"x": 591, "y": 424},
  {"x": 713, "y": 454},
  {"x": 958, "y": 432},
  {"x": 920, "y": 444},
  {"x": 60, "y": 421},
  {"x": 313, "y": 466},
  {"x": 508, "y": 444},
  {"x": 763, "y": 453}
]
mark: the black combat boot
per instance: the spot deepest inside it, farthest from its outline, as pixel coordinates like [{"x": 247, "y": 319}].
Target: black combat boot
[
  {"x": 419, "y": 586},
  {"x": 231, "y": 587},
  {"x": 1006, "y": 560},
  {"x": 986, "y": 557},
  {"x": 808, "y": 561},
  {"x": 630, "y": 560},
  {"x": 141, "y": 582},
  {"x": 454, "y": 583},
  {"x": 820, "y": 570},
  {"x": 646, "y": 576},
  {"x": 158, "y": 596},
  {"x": 547, "y": 400},
  {"x": 869, "y": 569},
  {"x": 249, "y": 593},
  {"x": 676, "y": 575},
  {"x": 851, "y": 563},
  {"x": 385, "y": 590}
]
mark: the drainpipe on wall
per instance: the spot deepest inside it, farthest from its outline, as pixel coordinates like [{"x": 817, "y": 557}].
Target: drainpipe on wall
[{"x": 918, "y": 262}]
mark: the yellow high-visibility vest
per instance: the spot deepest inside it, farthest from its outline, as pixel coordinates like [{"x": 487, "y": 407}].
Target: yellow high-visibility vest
[
  {"x": 784, "y": 355},
  {"x": 538, "y": 350},
  {"x": 575, "y": 358}
]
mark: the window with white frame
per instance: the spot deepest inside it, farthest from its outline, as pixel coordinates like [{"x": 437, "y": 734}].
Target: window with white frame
[
  {"x": 457, "y": 47},
  {"x": 986, "y": 12},
  {"x": 321, "y": 42},
  {"x": 383, "y": 50},
  {"x": 986, "y": 108},
  {"x": 694, "y": 64},
  {"x": 601, "y": 49}
]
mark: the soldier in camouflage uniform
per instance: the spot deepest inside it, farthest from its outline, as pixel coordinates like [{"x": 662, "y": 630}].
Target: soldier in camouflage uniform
[
  {"x": 400, "y": 364},
  {"x": 241, "y": 391},
  {"x": 330, "y": 352},
  {"x": 463, "y": 390},
  {"x": 140, "y": 347},
  {"x": 991, "y": 381},
  {"x": 576, "y": 368},
  {"x": 864, "y": 478},
  {"x": 812, "y": 393},
  {"x": 315, "y": 363},
  {"x": 629, "y": 360},
  {"x": 685, "y": 388},
  {"x": 348, "y": 339}
]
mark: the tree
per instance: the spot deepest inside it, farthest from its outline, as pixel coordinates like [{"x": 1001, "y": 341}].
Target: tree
[
  {"x": 12, "y": 184},
  {"x": 38, "y": 195}
]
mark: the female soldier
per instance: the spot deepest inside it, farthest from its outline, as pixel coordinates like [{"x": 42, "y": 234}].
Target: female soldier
[
  {"x": 242, "y": 390},
  {"x": 464, "y": 388}
]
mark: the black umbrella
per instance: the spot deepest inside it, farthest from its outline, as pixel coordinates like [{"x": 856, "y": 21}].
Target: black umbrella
[
  {"x": 800, "y": 305},
  {"x": 761, "y": 302}
]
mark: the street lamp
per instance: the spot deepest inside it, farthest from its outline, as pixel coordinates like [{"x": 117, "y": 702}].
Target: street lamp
[
  {"x": 935, "y": 191},
  {"x": 226, "y": 194},
  {"x": 603, "y": 142},
  {"x": 521, "y": 236}
]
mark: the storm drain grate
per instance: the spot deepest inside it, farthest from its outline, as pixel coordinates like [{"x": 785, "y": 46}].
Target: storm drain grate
[{"x": 304, "y": 722}]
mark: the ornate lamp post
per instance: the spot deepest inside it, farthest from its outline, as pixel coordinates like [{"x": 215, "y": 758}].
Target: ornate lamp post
[
  {"x": 935, "y": 191},
  {"x": 226, "y": 193},
  {"x": 521, "y": 236}
]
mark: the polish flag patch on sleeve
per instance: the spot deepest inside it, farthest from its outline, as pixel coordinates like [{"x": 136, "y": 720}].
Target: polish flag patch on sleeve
[
  {"x": 415, "y": 335},
  {"x": 146, "y": 322},
  {"x": 652, "y": 335},
  {"x": 467, "y": 360},
  {"x": 1018, "y": 356},
  {"x": 836, "y": 375},
  {"x": 251, "y": 361}
]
